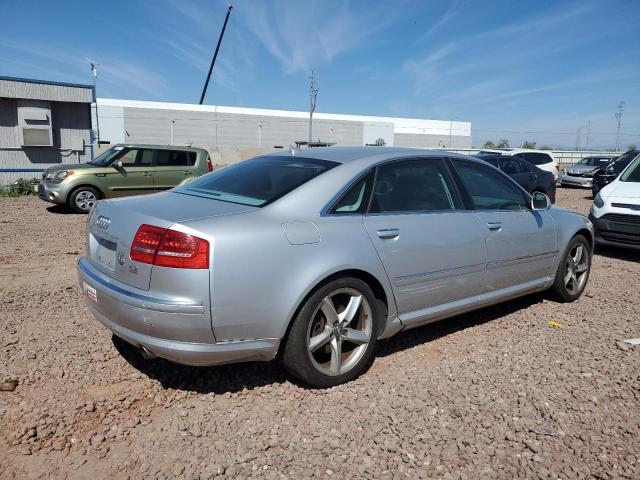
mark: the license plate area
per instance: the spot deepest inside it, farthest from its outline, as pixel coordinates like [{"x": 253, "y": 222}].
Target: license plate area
[{"x": 103, "y": 251}]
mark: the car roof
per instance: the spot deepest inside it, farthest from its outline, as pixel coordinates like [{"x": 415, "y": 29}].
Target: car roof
[
  {"x": 372, "y": 154},
  {"x": 159, "y": 147},
  {"x": 509, "y": 151}
]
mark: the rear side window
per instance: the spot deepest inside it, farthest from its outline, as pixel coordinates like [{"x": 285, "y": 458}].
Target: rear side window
[
  {"x": 420, "y": 185},
  {"x": 511, "y": 166},
  {"x": 488, "y": 189},
  {"x": 536, "y": 158},
  {"x": 257, "y": 182},
  {"x": 356, "y": 199},
  {"x": 175, "y": 158}
]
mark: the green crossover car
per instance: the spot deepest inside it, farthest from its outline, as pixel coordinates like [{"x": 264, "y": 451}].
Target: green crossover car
[{"x": 121, "y": 171}]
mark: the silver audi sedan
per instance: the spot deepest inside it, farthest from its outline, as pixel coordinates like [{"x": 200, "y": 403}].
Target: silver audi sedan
[{"x": 317, "y": 254}]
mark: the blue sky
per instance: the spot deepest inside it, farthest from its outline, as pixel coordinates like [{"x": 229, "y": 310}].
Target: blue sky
[{"x": 520, "y": 70}]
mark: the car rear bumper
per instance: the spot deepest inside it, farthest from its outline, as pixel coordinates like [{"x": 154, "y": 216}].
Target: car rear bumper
[
  {"x": 585, "y": 182},
  {"x": 615, "y": 234},
  {"x": 158, "y": 325}
]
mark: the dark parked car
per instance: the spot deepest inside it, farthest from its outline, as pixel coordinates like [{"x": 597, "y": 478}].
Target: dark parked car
[
  {"x": 608, "y": 174},
  {"x": 530, "y": 177}
]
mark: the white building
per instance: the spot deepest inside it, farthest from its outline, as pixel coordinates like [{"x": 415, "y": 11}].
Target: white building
[{"x": 218, "y": 127}]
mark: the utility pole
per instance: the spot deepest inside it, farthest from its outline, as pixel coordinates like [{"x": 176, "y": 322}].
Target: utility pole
[
  {"x": 215, "y": 55},
  {"x": 618, "y": 116},
  {"x": 94, "y": 73},
  {"x": 588, "y": 133},
  {"x": 313, "y": 92},
  {"x": 578, "y": 133}
]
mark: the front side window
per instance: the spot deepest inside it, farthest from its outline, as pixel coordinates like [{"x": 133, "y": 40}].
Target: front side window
[
  {"x": 488, "y": 189},
  {"x": 135, "y": 157},
  {"x": 632, "y": 174},
  {"x": 536, "y": 158},
  {"x": 256, "y": 182},
  {"x": 420, "y": 185}
]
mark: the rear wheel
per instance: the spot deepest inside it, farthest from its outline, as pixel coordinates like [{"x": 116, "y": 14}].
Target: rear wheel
[
  {"x": 333, "y": 336},
  {"x": 573, "y": 271},
  {"x": 83, "y": 198}
]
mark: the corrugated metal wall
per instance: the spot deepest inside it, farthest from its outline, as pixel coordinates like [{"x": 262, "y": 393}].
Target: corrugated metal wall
[
  {"x": 430, "y": 141},
  {"x": 43, "y": 91},
  {"x": 228, "y": 130},
  {"x": 70, "y": 128}
]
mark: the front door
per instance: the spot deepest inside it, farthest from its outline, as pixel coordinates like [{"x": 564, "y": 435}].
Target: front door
[
  {"x": 135, "y": 176},
  {"x": 432, "y": 250},
  {"x": 521, "y": 243}
]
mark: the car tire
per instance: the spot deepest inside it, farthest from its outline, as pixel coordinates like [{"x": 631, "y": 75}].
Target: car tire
[
  {"x": 83, "y": 198},
  {"x": 573, "y": 271},
  {"x": 333, "y": 336}
]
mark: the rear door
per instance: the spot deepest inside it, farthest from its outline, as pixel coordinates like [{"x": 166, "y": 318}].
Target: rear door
[
  {"x": 173, "y": 167},
  {"x": 521, "y": 243},
  {"x": 431, "y": 248},
  {"x": 135, "y": 176}
]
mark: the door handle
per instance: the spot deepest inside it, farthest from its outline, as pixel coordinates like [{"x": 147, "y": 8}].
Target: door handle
[
  {"x": 494, "y": 226},
  {"x": 147, "y": 174},
  {"x": 388, "y": 233},
  {"x": 186, "y": 172}
]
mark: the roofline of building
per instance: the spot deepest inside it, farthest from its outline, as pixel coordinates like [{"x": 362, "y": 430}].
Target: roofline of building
[
  {"x": 401, "y": 124},
  {"x": 46, "y": 82}
]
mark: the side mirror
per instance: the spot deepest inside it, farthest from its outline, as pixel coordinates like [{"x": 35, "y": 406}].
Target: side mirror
[
  {"x": 539, "y": 201},
  {"x": 118, "y": 164}
]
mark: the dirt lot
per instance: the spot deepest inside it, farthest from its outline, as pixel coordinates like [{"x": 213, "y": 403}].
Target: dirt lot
[{"x": 496, "y": 393}]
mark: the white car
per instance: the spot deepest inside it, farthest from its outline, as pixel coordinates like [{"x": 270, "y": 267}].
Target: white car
[
  {"x": 540, "y": 158},
  {"x": 615, "y": 212}
]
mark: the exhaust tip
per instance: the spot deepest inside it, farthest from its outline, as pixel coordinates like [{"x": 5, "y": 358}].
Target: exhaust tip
[{"x": 146, "y": 354}]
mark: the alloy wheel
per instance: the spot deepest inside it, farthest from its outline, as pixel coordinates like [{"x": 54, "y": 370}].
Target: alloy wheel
[
  {"x": 340, "y": 331},
  {"x": 85, "y": 199},
  {"x": 576, "y": 268}
]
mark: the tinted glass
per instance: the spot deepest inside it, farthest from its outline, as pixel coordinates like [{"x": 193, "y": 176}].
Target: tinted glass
[
  {"x": 413, "y": 186},
  {"x": 492, "y": 160},
  {"x": 175, "y": 158},
  {"x": 536, "y": 158},
  {"x": 258, "y": 181},
  {"x": 136, "y": 158},
  {"x": 356, "y": 199},
  {"x": 488, "y": 189},
  {"x": 632, "y": 174},
  {"x": 510, "y": 166}
]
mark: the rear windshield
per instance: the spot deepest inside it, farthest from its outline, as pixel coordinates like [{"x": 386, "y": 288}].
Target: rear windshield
[{"x": 256, "y": 182}]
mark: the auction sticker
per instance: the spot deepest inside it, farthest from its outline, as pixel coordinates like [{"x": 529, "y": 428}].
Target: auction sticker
[{"x": 91, "y": 292}]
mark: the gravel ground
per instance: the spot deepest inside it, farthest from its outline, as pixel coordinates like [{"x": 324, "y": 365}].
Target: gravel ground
[{"x": 497, "y": 393}]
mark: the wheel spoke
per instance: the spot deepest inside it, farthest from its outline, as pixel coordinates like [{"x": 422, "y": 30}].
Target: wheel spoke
[
  {"x": 356, "y": 336},
  {"x": 329, "y": 311},
  {"x": 320, "y": 339},
  {"x": 578, "y": 255},
  {"x": 352, "y": 308},
  {"x": 581, "y": 268},
  {"x": 574, "y": 281},
  {"x": 336, "y": 355},
  {"x": 567, "y": 276}
]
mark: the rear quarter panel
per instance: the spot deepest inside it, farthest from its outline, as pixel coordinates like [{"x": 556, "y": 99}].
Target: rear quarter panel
[{"x": 258, "y": 278}]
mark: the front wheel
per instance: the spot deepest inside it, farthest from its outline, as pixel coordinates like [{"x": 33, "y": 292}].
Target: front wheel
[
  {"x": 83, "y": 198},
  {"x": 333, "y": 337},
  {"x": 573, "y": 271}
]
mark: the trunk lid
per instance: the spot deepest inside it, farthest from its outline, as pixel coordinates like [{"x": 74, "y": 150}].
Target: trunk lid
[{"x": 113, "y": 224}]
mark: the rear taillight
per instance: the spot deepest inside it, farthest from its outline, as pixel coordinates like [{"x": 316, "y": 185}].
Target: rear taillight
[
  {"x": 169, "y": 248},
  {"x": 209, "y": 164}
]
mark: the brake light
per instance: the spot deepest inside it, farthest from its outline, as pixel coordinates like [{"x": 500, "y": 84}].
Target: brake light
[
  {"x": 209, "y": 164},
  {"x": 169, "y": 248}
]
